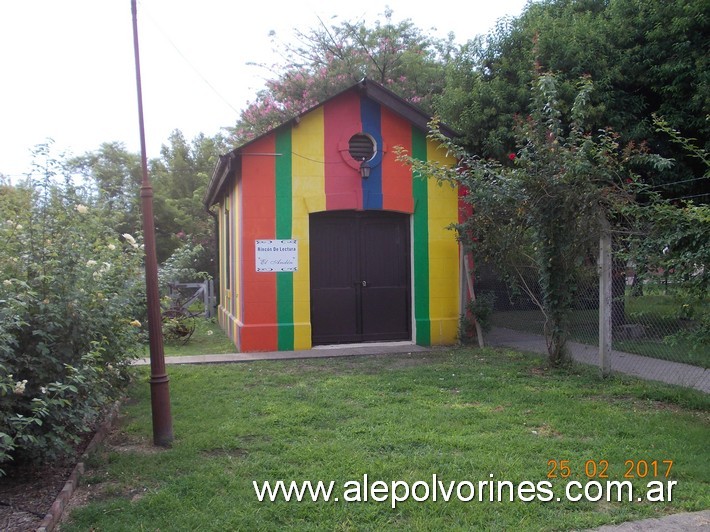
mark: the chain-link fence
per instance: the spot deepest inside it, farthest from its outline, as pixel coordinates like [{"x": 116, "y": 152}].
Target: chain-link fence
[{"x": 651, "y": 314}]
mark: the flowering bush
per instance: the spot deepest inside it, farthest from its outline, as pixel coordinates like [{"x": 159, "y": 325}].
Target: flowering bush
[{"x": 70, "y": 288}]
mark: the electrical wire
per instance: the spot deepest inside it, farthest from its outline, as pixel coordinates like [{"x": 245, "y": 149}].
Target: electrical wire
[
  {"x": 662, "y": 185},
  {"x": 315, "y": 160},
  {"x": 187, "y": 61},
  {"x": 689, "y": 197}
]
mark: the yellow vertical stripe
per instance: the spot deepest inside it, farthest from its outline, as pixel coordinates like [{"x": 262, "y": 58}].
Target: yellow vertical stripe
[
  {"x": 443, "y": 254},
  {"x": 236, "y": 246},
  {"x": 308, "y": 196},
  {"x": 222, "y": 267},
  {"x": 236, "y": 251}
]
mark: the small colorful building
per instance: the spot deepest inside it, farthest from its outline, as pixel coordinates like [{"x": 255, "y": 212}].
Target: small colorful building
[{"x": 325, "y": 238}]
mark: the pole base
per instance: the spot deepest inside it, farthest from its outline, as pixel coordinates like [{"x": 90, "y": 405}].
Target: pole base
[{"x": 160, "y": 405}]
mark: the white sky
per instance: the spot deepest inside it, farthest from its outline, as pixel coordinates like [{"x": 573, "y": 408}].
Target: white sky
[{"x": 67, "y": 66}]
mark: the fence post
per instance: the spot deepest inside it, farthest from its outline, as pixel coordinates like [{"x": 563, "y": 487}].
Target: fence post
[
  {"x": 210, "y": 299},
  {"x": 468, "y": 293},
  {"x": 206, "y": 297},
  {"x": 605, "y": 280}
]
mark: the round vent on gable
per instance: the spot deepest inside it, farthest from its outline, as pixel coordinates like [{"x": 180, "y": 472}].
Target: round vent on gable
[{"x": 361, "y": 147}]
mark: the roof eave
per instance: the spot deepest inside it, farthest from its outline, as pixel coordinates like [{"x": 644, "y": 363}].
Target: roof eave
[
  {"x": 399, "y": 105},
  {"x": 223, "y": 169}
]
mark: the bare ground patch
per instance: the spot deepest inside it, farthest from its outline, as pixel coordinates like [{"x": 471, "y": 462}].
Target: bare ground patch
[
  {"x": 27, "y": 493},
  {"x": 121, "y": 442}
]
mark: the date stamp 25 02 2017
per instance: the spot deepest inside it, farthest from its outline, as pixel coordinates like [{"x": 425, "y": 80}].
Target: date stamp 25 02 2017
[{"x": 633, "y": 469}]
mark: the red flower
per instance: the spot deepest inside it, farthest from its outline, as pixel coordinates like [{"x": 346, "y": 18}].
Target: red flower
[{"x": 511, "y": 156}]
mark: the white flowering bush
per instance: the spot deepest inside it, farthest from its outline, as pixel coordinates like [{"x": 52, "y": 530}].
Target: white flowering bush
[{"x": 71, "y": 303}]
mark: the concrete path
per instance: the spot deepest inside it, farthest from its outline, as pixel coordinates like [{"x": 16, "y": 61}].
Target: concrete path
[
  {"x": 689, "y": 521},
  {"x": 385, "y": 348},
  {"x": 628, "y": 363}
]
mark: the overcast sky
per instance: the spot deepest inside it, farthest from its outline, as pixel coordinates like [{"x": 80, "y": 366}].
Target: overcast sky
[{"x": 68, "y": 71}]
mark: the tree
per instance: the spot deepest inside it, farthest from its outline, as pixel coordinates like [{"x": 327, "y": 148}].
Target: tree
[
  {"x": 672, "y": 237},
  {"x": 645, "y": 57},
  {"x": 327, "y": 59},
  {"x": 116, "y": 173},
  {"x": 543, "y": 208},
  {"x": 180, "y": 179},
  {"x": 179, "y": 176}
]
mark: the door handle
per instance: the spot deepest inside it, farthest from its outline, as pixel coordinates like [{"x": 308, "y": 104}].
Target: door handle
[{"x": 364, "y": 283}]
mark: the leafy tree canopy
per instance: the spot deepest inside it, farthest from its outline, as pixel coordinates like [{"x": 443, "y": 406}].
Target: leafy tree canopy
[
  {"x": 644, "y": 58},
  {"x": 327, "y": 59},
  {"x": 179, "y": 177},
  {"x": 116, "y": 175}
]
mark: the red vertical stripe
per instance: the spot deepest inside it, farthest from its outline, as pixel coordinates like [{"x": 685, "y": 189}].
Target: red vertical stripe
[
  {"x": 343, "y": 187},
  {"x": 396, "y": 176},
  {"x": 234, "y": 227},
  {"x": 258, "y": 290}
]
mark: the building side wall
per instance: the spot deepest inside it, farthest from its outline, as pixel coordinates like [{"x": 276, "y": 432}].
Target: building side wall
[
  {"x": 229, "y": 310},
  {"x": 258, "y": 326}
]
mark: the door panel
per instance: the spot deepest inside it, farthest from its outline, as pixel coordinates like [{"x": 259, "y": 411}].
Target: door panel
[
  {"x": 359, "y": 277},
  {"x": 384, "y": 265},
  {"x": 334, "y": 296}
]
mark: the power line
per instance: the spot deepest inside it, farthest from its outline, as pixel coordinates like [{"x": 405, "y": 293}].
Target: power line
[
  {"x": 316, "y": 160},
  {"x": 689, "y": 197},
  {"x": 199, "y": 74},
  {"x": 679, "y": 182}
]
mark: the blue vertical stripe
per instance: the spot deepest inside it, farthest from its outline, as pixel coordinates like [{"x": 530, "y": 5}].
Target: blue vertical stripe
[{"x": 371, "y": 125}]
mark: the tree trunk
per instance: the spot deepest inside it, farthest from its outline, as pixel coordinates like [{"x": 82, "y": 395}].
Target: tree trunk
[{"x": 556, "y": 334}]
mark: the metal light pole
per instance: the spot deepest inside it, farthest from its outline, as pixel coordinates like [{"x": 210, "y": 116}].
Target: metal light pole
[{"x": 159, "y": 390}]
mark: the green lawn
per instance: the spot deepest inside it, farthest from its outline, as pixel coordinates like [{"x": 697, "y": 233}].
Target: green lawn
[
  {"x": 462, "y": 414},
  {"x": 208, "y": 339}
]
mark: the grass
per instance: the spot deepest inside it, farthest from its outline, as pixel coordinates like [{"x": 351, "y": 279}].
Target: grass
[
  {"x": 657, "y": 313},
  {"x": 654, "y": 303},
  {"x": 462, "y": 414},
  {"x": 208, "y": 339}
]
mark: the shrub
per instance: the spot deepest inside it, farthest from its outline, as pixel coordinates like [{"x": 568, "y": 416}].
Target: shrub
[
  {"x": 71, "y": 301},
  {"x": 481, "y": 311}
]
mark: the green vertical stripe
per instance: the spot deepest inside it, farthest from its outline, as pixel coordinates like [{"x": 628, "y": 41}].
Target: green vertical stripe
[
  {"x": 284, "y": 218},
  {"x": 421, "y": 244}
]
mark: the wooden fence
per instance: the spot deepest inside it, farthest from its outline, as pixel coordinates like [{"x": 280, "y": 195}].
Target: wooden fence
[{"x": 186, "y": 294}]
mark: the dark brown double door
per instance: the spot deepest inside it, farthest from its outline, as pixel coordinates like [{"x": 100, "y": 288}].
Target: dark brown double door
[{"x": 360, "y": 288}]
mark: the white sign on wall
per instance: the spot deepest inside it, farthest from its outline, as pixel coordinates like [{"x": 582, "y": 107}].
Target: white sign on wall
[{"x": 276, "y": 255}]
